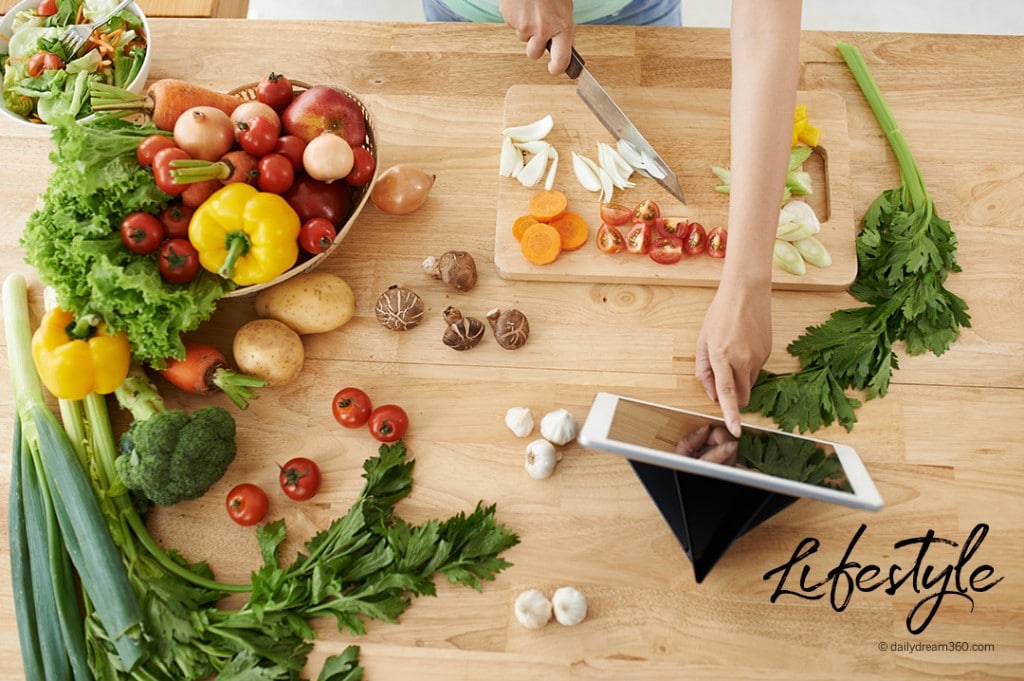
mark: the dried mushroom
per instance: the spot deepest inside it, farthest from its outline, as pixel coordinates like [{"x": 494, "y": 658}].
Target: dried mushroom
[
  {"x": 462, "y": 333},
  {"x": 457, "y": 269},
  {"x": 511, "y": 328},
  {"x": 399, "y": 309}
]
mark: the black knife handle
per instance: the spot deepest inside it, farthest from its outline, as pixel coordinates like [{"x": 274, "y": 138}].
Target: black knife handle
[{"x": 575, "y": 62}]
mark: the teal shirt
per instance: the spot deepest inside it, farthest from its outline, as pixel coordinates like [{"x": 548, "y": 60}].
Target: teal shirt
[{"x": 486, "y": 11}]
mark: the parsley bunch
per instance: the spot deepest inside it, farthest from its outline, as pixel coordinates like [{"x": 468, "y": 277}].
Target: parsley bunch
[{"x": 904, "y": 254}]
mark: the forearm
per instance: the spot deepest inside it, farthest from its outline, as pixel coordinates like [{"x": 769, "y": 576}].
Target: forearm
[{"x": 765, "y": 42}]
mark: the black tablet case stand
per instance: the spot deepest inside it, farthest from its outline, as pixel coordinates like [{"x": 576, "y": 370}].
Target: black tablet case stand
[{"x": 706, "y": 514}]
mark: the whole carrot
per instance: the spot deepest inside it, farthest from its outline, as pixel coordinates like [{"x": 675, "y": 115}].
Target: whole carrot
[
  {"x": 205, "y": 370},
  {"x": 163, "y": 102}
]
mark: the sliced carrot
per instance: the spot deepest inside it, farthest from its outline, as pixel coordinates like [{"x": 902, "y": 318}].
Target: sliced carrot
[
  {"x": 520, "y": 224},
  {"x": 541, "y": 243},
  {"x": 572, "y": 228},
  {"x": 547, "y": 205}
]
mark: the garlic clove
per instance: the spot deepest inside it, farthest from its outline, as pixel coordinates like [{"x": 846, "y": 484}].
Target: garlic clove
[
  {"x": 585, "y": 174},
  {"x": 541, "y": 458},
  {"x": 520, "y": 421},
  {"x": 533, "y": 609},
  {"x": 509, "y": 152},
  {"x": 569, "y": 605},
  {"x": 537, "y": 130},
  {"x": 559, "y": 427}
]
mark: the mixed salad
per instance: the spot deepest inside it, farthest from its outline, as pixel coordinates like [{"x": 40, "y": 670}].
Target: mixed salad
[{"x": 42, "y": 81}]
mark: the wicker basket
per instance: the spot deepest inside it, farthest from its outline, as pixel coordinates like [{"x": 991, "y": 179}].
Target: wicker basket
[{"x": 360, "y": 195}]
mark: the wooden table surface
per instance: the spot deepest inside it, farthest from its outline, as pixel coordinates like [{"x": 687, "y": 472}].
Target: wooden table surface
[{"x": 944, "y": 446}]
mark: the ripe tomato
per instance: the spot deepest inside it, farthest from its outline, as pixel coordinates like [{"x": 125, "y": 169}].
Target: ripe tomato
[
  {"x": 351, "y": 407},
  {"x": 258, "y": 136},
  {"x": 142, "y": 233},
  {"x": 696, "y": 239},
  {"x": 179, "y": 261},
  {"x": 247, "y": 504},
  {"x": 43, "y": 61},
  {"x": 388, "y": 423},
  {"x": 292, "y": 147},
  {"x": 615, "y": 214},
  {"x": 149, "y": 146},
  {"x": 162, "y": 169},
  {"x": 646, "y": 211},
  {"x": 716, "y": 242},
  {"x": 175, "y": 219},
  {"x": 300, "y": 478},
  {"x": 609, "y": 238},
  {"x": 638, "y": 240},
  {"x": 275, "y": 91},
  {"x": 47, "y": 8},
  {"x": 679, "y": 227},
  {"x": 276, "y": 173},
  {"x": 363, "y": 165},
  {"x": 666, "y": 250},
  {"x": 316, "y": 235}
]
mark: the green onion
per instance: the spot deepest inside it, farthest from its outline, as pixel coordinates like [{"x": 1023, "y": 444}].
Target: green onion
[{"x": 21, "y": 569}]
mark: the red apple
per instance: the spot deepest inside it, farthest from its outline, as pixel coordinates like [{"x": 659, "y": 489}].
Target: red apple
[{"x": 323, "y": 108}]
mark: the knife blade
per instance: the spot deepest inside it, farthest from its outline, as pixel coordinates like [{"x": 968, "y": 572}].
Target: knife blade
[{"x": 618, "y": 123}]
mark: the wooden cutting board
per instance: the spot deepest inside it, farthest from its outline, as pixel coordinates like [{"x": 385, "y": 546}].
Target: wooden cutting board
[{"x": 690, "y": 129}]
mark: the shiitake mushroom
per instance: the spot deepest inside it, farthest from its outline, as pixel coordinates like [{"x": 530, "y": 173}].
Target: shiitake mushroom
[
  {"x": 462, "y": 333},
  {"x": 399, "y": 309},
  {"x": 511, "y": 328}
]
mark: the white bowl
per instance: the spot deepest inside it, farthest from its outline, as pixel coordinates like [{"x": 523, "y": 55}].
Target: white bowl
[{"x": 137, "y": 85}]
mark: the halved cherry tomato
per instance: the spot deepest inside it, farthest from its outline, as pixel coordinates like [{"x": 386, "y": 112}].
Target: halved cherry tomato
[
  {"x": 646, "y": 211},
  {"x": 672, "y": 226},
  {"x": 276, "y": 173},
  {"x": 43, "y": 61},
  {"x": 258, "y": 135},
  {"x": 696, "y": 239},
  {"x": 142, "y": 233},
  {"x": 717, "y": 238},
  {"x": 638, "y": 240},
  {"x": 351, "y": 407},
  {"x": 178, "y": 261},
  {"x": 363, "y": 165},
  {"x": 300, "y": 478},
  {"x": 609, "y": 238},
  {"x": 247, "y": 504},
  {"x": 666, "y": 250},
  {"x": 47, "y": 8},
  {"x": 615, "y": 214},
  {"x": 275, "y": 91},
  {"x": 292, "y": 147},
  {"x": 149, "y": 146},
  {"x": 175, "y": 219},
  {"x": 388, "y": 423},
  {"x": 317, "y": 235}
]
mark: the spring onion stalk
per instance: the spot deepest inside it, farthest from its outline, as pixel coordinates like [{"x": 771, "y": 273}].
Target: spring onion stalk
[{"x": 57, "y": 470}]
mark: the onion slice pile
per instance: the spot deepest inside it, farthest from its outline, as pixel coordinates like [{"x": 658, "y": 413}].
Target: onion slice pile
[{"x": 525, "y": 155}]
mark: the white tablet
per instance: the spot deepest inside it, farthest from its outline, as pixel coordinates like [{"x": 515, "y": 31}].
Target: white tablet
[{"x": 761, "y": 458}]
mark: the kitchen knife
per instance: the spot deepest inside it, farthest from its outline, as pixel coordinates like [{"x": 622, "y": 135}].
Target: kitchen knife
[{"x": 618, "y": 124}]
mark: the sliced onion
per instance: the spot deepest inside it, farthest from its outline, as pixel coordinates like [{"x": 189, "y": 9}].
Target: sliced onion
[
  {"x": 586, "y": 172},
  {"x": 537, "y": 130},
  {"x": 630, "y": 154},
  {"x": 607, "y": 186},
  {"x": 509, "y": 152},
  {"x": 533, "y": 146},
  {"x": 549, "y": 182},
  {"x": 533, "y": 170}
]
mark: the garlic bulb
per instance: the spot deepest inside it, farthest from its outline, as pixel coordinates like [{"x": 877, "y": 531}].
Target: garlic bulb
[
  {"x": 519, "y": 420},
  {"x": 533, "y": 609},
  {"x": 541, "y": 458},
  {"x": 559, "y": 427},
  {"x": 570, "y": 605}
]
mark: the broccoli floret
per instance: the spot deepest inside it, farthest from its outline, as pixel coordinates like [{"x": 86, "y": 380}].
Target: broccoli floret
[{"x": 168, "y": 454}]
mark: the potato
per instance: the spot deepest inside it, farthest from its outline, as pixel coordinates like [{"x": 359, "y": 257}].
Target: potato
[
  {"x": 312, "y": 302},
  {"x": 269, "y": 349}
]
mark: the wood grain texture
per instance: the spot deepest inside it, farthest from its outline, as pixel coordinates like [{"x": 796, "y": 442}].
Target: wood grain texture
[{"x": 943, "y": 446}]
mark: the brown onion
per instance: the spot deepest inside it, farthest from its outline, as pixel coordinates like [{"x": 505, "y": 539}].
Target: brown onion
[
  {"x": 246, "y": 111},
  {"x": 204, "y": 132},
  {"x": 401, "y": 189}
]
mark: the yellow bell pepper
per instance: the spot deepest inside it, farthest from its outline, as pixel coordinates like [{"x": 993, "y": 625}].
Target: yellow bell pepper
[
  {"x": 74, "y": 359},
  {"x": 245, "y": 235},
  {"x": 803, "y": 131}
]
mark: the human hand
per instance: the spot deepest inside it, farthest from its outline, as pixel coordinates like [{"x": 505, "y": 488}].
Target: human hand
[
  {"x": 709, "y": 444},
  {"x": 538, "y": 21},
  {"x": 734, "y": 343}
]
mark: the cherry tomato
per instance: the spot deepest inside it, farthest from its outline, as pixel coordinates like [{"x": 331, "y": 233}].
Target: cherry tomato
[
  {"x": 615, "y": 214},
  {"x": 696, "y": 239},
  {"x": 47, "y": 8},
  {"x": 179, "y": 261},
  {"x": 300, "y": 478},
  {"x": 717, "y": 238},
  {"x": 363, "y": 165},
  {"x": 275, "y": 173},
  {"x": 43, "y": 61},
  {"x": 162, "y": 170},
  {"x": 142, "y": 233},
  {"x": 247, "y": 504},
  {"x": 609, "y": 238},
  {"x": 646, "y": 211},
  {"x": 388, "y": 423},
  {"x": 175, "y": 219},
  {"x": 666, "y": 250},
  {"x": 679, "y": 227},
  {"x": 351, "y": 407},
  {"x": 149, "y": 146},
  {"x": 317, "y": 235},
  {"x": 291, "y": 146},
  {"x": 275, "y": 91},
  {"x": 638, "y": 240},
  {"x": 258, "y": 136}
]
